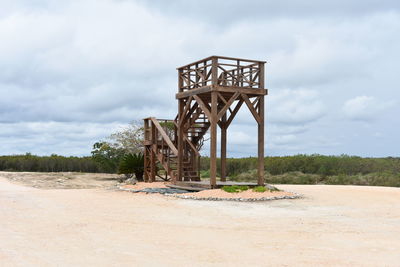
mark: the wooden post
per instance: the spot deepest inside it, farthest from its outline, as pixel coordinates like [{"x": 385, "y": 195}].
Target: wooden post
[
  {"x": 146, "y": 152},
  {"x": 261, "y": 143},
  {"x": 213, "y": 141},
  {"x": 223, "y": 148},
  {"x": 180, "y": 141},
  {"x": 180, "y": 81},
  {"x": 261, "y": 130},
  {"x": 152, "y": 154},
  {"x": 214, "y": 71}
]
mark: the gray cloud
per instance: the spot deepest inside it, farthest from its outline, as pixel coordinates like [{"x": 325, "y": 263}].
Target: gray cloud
[
  {"x": 78, "y": 68},
  {"x": 235, "y": 10}
]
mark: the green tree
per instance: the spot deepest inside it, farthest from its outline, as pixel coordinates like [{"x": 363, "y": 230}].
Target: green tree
[
  {"x": 107, "y": 156},
  {"x": 129, "y": 139}
]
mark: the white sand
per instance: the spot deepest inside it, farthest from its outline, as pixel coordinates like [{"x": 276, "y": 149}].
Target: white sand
[{"x": 332, "y": 226}]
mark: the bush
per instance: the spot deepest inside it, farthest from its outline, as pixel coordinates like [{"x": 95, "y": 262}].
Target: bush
[
  {"x": 132, "y": 164},
  {"x": 247, "y": 176},
  {"x": 260, "y": 189},
  {"x": 311, "y": 164},
  {"x": 205, "y": 174},
  {"x": 235, "y": 188},
  {"x": 372, "y": 179},
  {"x": 293, "y": 178}
]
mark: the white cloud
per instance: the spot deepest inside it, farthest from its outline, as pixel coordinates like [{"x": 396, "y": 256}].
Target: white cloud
[
  {"x": 365, "y": 108},
  {"x": 45, "y": 138},
  {"x": 294, "y": 106}
]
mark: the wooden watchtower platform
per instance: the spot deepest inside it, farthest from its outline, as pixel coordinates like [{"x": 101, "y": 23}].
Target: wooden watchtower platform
[{"x": 210, "y": 93}]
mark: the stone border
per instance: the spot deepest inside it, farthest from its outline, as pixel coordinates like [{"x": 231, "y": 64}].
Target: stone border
[
  {"x": 155, "y": 190},
  {"x": 181, "y": 196},
  {"x": 296, "y": 196}
]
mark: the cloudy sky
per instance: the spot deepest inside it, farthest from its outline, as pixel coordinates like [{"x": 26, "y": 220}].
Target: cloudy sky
[{"x": 72, "y": 72}]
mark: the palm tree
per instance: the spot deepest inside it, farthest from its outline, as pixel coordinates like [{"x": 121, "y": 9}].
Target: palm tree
[{"x": 132, "y": 164}]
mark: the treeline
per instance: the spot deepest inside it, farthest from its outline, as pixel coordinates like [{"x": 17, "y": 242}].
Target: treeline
[
  {"x": 308, "y": 164},
  {"x": 53, "y": 163},
  {"x": 311, "y": 164}
]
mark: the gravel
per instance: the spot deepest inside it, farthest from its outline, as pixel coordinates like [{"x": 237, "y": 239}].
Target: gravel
[
  {"x": 294, "y": 196},
  {"x": 162, "y": 191},
  {"x": 183, "y": 194}
]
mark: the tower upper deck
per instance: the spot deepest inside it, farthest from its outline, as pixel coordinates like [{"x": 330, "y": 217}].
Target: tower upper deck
[{"x": 224, "y": 74}]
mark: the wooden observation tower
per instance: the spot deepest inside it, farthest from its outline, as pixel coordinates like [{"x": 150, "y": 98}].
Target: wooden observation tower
[{"x": 210, "y": 93}]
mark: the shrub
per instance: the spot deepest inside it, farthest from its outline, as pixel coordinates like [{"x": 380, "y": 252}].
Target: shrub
[
  {"x": 132, "y": 164},
  {"x": 293, "y": 178},
  {"x": 247, "y": 176},
  {"x": 260, "y": 189},
  {"x": 235, "y": 188},
  {"x": 229, "y": 189},
  {"x": 311, "y": 164},
  {"x": 205, "y": 174},
  {"x": 372, "y": 179}
]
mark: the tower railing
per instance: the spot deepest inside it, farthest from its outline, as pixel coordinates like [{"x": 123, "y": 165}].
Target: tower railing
[{"x": 221, "y": 71}]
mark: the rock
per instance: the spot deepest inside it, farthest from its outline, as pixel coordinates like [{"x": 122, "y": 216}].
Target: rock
[{"x": 130, "y": 181}]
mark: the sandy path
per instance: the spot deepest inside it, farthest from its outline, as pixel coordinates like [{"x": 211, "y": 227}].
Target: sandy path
[{"x": 333, "y": 226}]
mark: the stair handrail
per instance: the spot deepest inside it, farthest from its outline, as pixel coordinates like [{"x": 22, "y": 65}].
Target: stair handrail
[
  {"x": 192, "y": 146},
  {"x": 164, "y": 136}
]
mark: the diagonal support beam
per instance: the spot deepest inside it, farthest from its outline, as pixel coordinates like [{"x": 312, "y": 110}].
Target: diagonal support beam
[
  {"x": 227, "y": 105},
  {"x": 234, "y": 112},
  {"x": 251, "y": 108},
  {"x": 185, "y": 109},
  {"x": 190, "y": 112},
  {"x": 204, "y": 107}
]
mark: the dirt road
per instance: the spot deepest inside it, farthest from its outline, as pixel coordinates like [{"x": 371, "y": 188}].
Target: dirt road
[{"x": 331, "y": 226}]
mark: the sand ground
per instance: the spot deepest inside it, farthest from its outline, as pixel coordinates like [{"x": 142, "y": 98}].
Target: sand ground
[{"x": 331, "y": 226}]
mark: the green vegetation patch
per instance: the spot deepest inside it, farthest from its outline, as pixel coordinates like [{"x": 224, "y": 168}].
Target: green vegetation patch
[
  {"x": 260, "y": 189},
  {"x": 235, "y": 188},
  {"x": 241, "y": 188}
]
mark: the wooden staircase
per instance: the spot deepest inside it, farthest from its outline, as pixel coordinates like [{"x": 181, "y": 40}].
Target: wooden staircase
[{"x": 161, "y": 146}]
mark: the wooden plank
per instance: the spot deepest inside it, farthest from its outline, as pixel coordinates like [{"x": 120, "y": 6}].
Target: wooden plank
[
  {"x": 180, "y": 81},
  {"x": 241, "y": 59},
  {"x": 221, "y": 57},
  {"x": 192, "y": 92},
  {"x": 203, "y": 107},
  {"x": 164, "y": 135},
  {"x": 251, "y": 108},
  {"x": 214, "y": 71},
  {"x": 213, "y": 140},
  {"x": 146, "y": 163},
  {"x": 260, "y": 180},
  {"x": 152, "y": 155},
  {"x": 241, "y": 66},
  {"x": 198, "y": 61},
  {"x": 243, "y": 90},
  {"x": 261, "y": 75},
  {"x": 223, "y": 147},
  {"x": 204, "y": 66},
  {"x": 146, "y": 142},
  {"x": 191, "y": 145},
  {"x": 192, "y": 109},
  {"x": 185, "y": 110},
  {"x": 227, "y": 105},
  {"x": 261, "y": 160},
  {"x": 180, "y": 144},
  {"x": 233, "y": 114}
]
